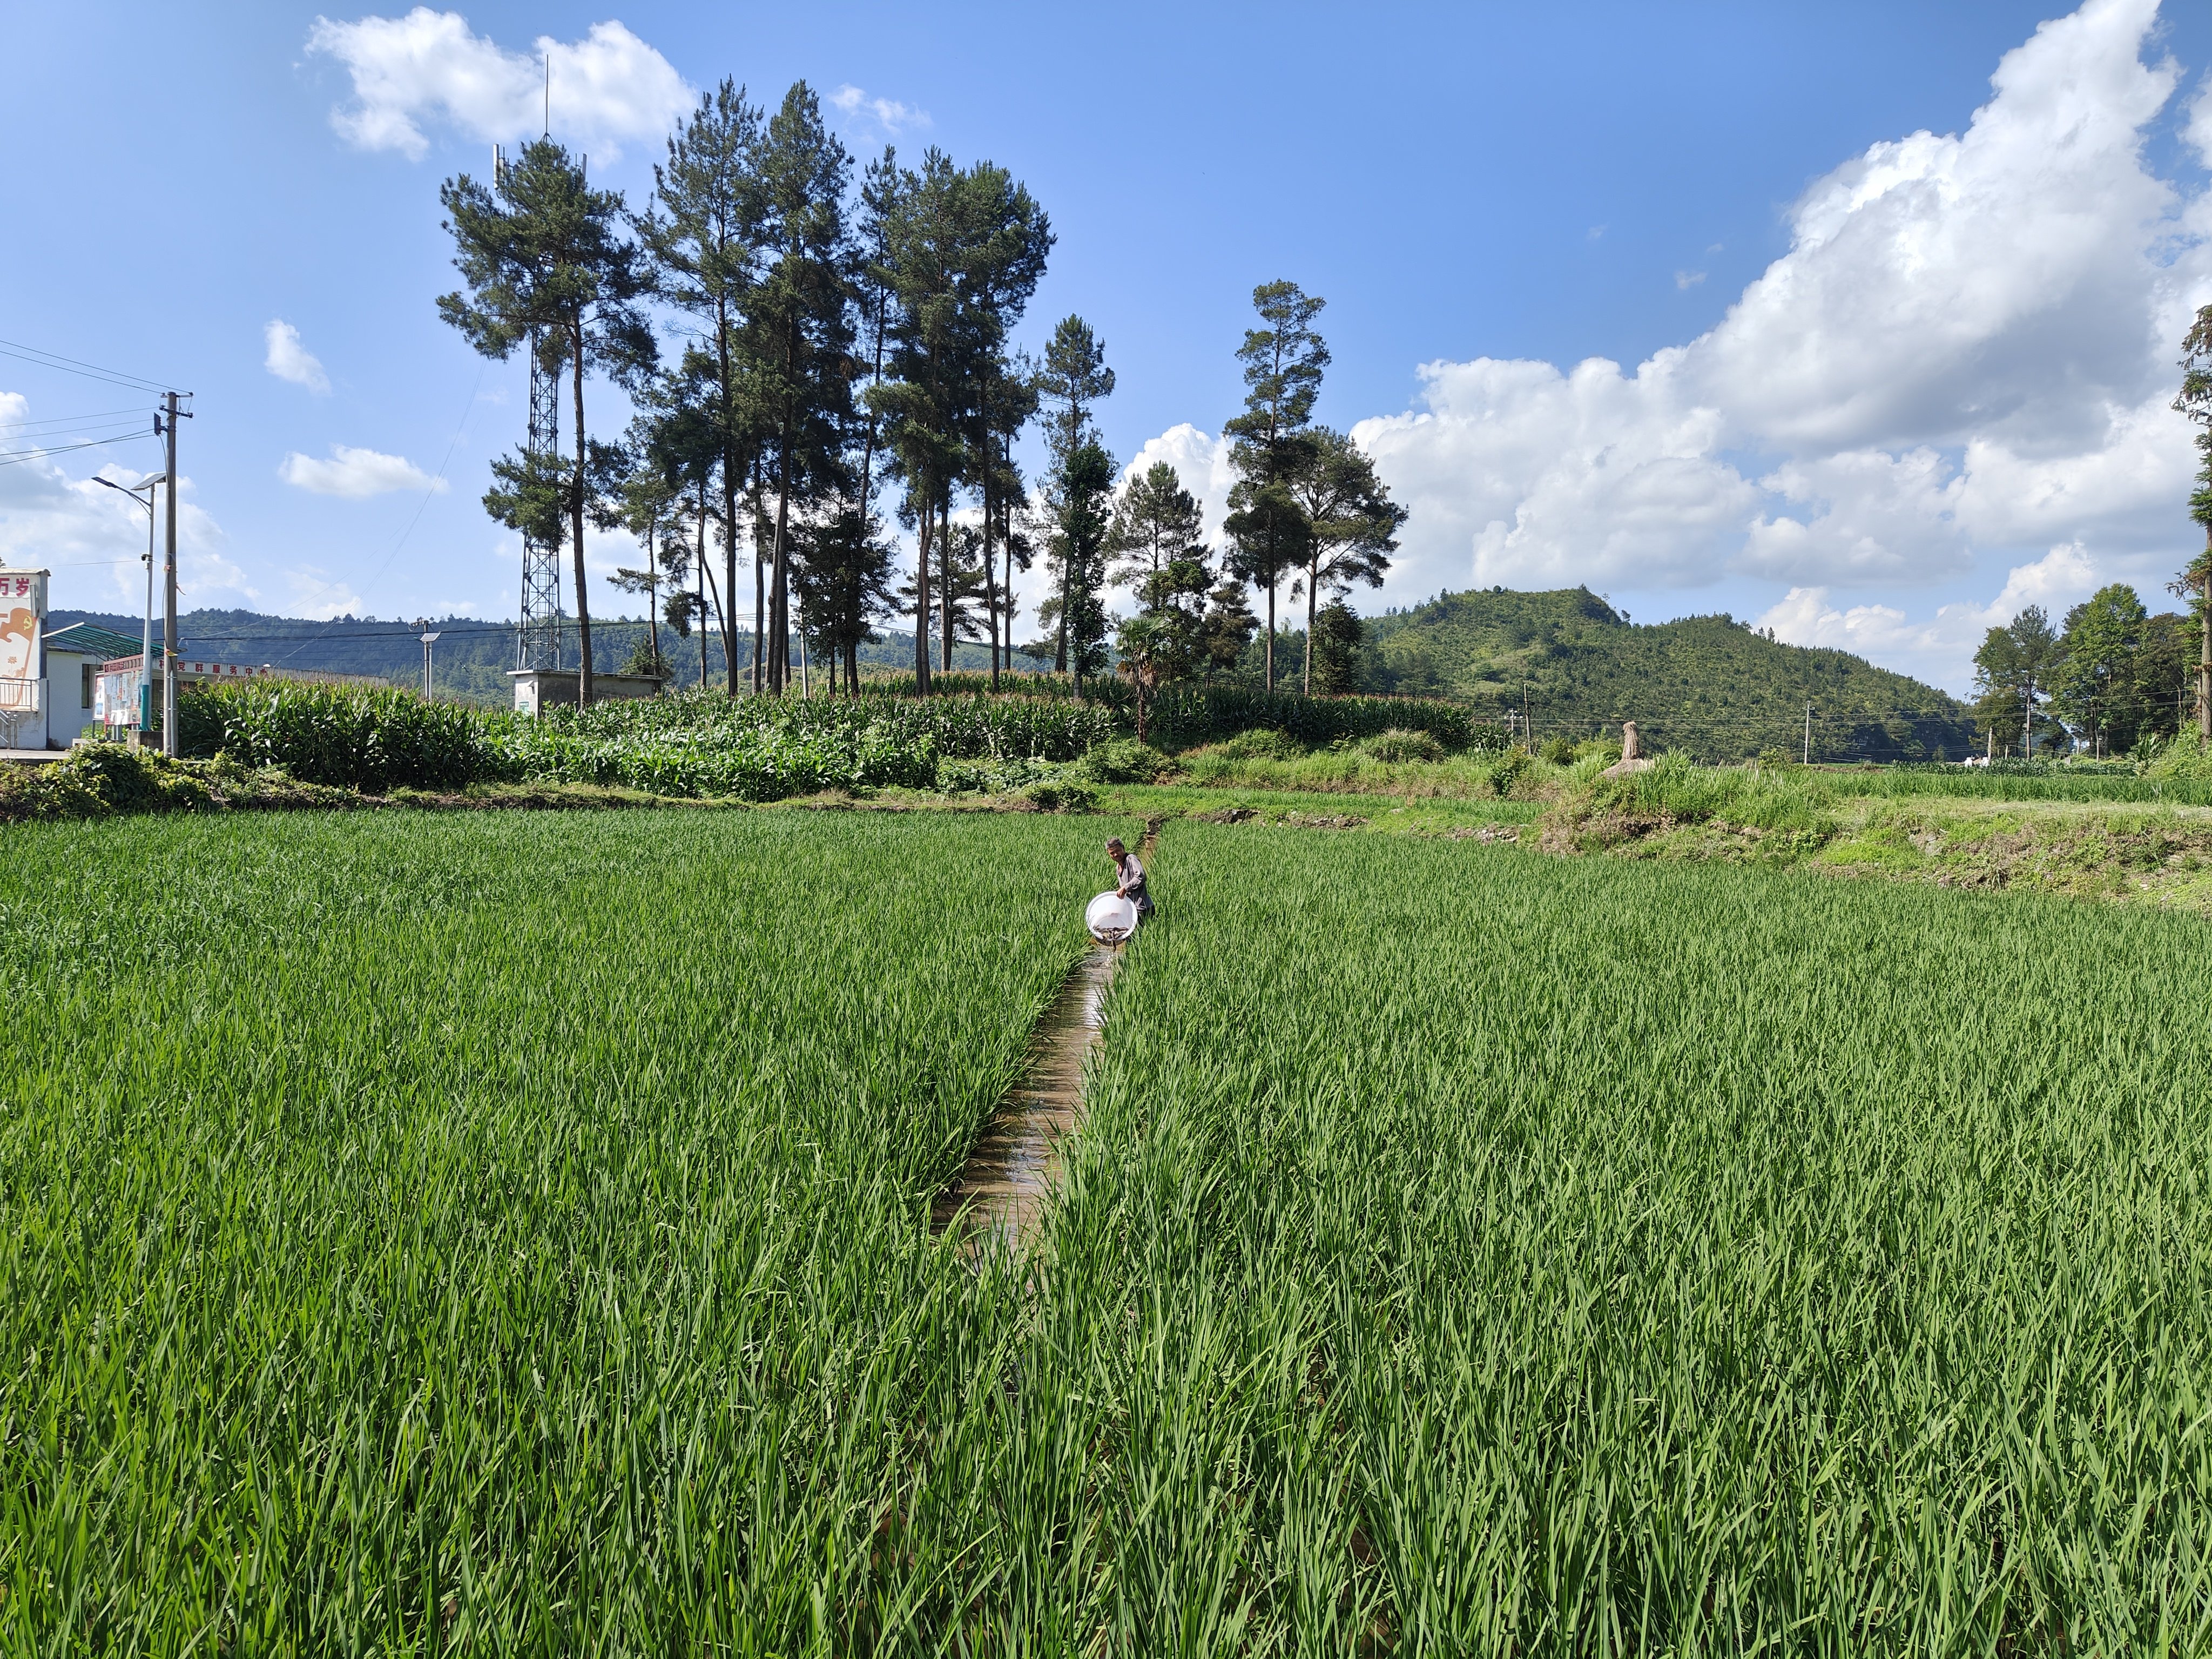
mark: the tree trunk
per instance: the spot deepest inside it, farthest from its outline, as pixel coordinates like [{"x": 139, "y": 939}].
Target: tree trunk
[
  {"x": 1271, "y": 636},
  {"x": 721, "y": 614},
  {"x": 652, "y": 596},
  {"x": 990, "y": 564},
  {"x": 948, "y": 582},
  {"x": 1313, "y": 591},
  {"x": 1059, "y": 652},
  {"x": 702, "y": 583},
  {"x": 2204, "y": 662},
  {"x": 779, "y": 619},
  {"x": 576, "y": 524},
  {"x": 730, "y": 472},
  {"x": 760, "y": 591},
  {"x": 926, "y": 520}
]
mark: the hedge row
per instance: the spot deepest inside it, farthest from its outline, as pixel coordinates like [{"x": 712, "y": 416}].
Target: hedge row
[{"x": 703, "y": 742}]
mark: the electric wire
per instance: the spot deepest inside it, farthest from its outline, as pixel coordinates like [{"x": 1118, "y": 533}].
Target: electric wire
[
  {"x": 437, "y": 478},
  {"x": 18, "y": 457},
  {"x": 96, "y": 418},
  {"x": 31, "y": 354}
]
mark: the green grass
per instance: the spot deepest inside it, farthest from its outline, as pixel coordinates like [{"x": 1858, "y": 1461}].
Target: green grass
[
  {"x": 1569, "y": 1257},
  {"x": 509, "y": 1231}
]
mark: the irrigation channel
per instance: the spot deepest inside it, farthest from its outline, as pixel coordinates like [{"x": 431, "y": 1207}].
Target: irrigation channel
[{"x": 1002, "y": 1189}]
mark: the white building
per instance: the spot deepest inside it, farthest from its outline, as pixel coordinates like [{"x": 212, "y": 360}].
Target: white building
[{"x": 75, "y": 656}]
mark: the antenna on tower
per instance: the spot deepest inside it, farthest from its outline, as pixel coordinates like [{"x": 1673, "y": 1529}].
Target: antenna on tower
[{"x": 548, "y": 94}]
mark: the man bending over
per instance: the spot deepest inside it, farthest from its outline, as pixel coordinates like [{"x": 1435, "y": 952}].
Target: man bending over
[{"x": 1129, "y": 877}]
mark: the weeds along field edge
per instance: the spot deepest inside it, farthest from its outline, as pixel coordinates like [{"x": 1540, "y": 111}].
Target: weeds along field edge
[
  {"x": 1490, "y": 1255},
  {"x": 504, "y": 1232}
]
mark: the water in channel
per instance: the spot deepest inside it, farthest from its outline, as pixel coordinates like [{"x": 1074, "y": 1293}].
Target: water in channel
[{"x": 1015, "y": 1161}]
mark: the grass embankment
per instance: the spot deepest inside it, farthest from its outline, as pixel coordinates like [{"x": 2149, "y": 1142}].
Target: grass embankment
[
  {"x": 1535, "y": 1255},
  {"x": 508, "y": 1231}
]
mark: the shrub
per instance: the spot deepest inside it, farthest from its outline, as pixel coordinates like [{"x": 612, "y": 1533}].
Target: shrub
[
  {"x": 1397, "y": 745},
  {"x": 1263, "y": 743},
  {"x": 1061, "y": 794},
  {"x": 1124, "y": 760},
  {"x": 1558, "y": 751}
]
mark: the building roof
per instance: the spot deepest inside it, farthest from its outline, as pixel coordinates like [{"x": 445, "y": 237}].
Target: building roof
[{"x": 91, "y": 640}]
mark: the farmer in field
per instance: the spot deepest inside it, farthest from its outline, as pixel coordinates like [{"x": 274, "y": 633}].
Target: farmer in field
[{"x": 1129, "y": 877}]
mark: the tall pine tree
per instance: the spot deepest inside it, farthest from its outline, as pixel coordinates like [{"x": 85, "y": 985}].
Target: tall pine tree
[
  {"x": 704, "y": 232},
  {"x": 542, "y": 252},
  {"x": 1272, "y": 441}
]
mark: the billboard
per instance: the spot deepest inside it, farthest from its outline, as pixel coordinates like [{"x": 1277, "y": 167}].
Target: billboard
[{"x": 23, "y": 613}]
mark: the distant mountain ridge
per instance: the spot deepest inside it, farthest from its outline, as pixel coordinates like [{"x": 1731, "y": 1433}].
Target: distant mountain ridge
[
  {"x": 1709, "y": 684},
  {"x": 471, "y": 657}
]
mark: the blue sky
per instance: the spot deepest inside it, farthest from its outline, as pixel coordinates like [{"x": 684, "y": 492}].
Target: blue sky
[{"x": 1900, "y": 388}]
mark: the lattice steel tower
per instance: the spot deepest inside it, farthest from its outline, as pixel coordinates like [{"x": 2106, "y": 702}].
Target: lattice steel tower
[
  {"x": 537, "y": 631},
  {"x": 538, "y": 636}
]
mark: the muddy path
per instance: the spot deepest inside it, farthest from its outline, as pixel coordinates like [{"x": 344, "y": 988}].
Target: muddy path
[{"x": 1015, "y": 1161}]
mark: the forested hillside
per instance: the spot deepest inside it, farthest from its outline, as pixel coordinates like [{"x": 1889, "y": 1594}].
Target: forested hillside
[
  {"x": 1708, "y": 684},
  {"x": 472, "y": 657}
]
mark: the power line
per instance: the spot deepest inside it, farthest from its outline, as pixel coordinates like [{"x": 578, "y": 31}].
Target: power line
[
  {"x": 31, "y": 354},
  {"x": 115, "y": 430},
  {"x": 460, "y": 427},
  {"x": 98, "y": 415},
  {"x": 16, "y": 458}
]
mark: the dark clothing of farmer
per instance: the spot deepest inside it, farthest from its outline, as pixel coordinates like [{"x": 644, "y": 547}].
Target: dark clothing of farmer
[{"x": 1129, "y": 877}]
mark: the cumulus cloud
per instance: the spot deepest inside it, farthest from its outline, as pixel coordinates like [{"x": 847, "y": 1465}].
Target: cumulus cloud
[
  {"x": 354, "y": 474},
  {"x": 1964, "y": 357},
  {"x": 429, "y": 69},
  {"x": 94, "y": 539},
  {"x": 889, "y": 113},
  {"x": 288, "y": 359},
  {"x": 1935, "y": 649}
]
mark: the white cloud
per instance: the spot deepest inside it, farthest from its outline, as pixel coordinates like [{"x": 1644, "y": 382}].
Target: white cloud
[
  {"x": 1202, "y": 463},
  {"x": 1688, "y": 279},
  {"x": 94, "y": 539},
  {"x": 890, "y": 114},
  {"x": 1965, "y": 356},
  {"x": 1939, "y": 648},
  {"x": 430, "y": 68},
  {"x": 355, "y": 474},
  {"x": 319, "y": 595},
  {"x": 288, "y": 359}
]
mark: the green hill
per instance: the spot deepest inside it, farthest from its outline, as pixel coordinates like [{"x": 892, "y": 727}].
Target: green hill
[{"x": 1707, "y": 684}]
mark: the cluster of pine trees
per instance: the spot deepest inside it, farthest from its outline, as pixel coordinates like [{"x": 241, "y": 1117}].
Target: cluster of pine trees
[
  {"x": 2109, "y": 676},
  {"x": 835, "y": 337},
  {"x": 2113, "y": 675}
]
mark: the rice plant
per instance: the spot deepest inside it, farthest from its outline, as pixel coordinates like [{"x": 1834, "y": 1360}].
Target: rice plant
[
  {"x": 1495, "y": 1255},
  {"x": 504, "y": 1232},
  {"x": 512, "y": 1233}
]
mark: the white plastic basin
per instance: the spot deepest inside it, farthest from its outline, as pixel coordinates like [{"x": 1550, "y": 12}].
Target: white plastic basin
[{"x": 1111, "y": 918}]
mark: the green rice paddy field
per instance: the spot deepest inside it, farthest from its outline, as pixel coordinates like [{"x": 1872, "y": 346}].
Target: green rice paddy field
[{"x": 510, "y": 1232}]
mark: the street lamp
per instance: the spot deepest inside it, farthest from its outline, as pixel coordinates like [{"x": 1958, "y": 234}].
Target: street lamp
[
  {"x": 146, "y": 648},
  {"x": 429, "y": 639}
]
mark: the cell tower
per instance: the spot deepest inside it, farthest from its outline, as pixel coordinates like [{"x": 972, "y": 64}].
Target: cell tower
[
  {"x": 537, "y": 631},
  {"x": 538, "y": 637}
]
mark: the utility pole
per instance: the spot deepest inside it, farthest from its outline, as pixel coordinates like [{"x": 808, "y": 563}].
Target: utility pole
[
  {"x": 429, "y": 639},
  {"x": 169, "y": 601},
  {"x": 1808, "y": 734},
  {"x": 2204, "y": 661},
  {"x": 2027, "y": 720}
]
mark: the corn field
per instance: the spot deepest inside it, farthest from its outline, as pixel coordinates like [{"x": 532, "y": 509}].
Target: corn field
[{"x": 512, "y": 1233}]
